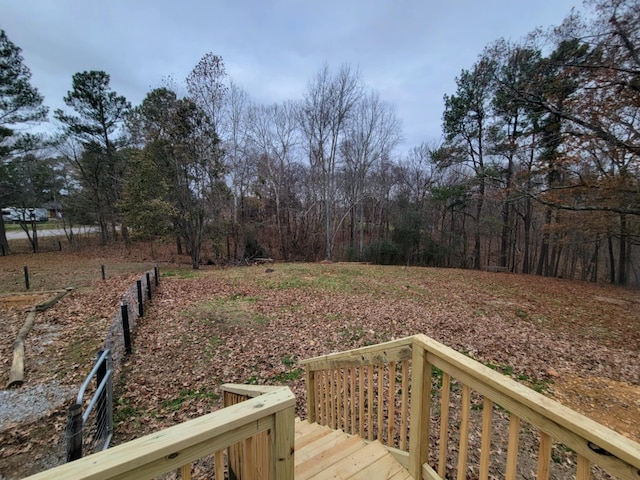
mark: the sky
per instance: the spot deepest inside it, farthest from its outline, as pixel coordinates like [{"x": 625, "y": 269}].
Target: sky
[{"x": 410, "y": 51}]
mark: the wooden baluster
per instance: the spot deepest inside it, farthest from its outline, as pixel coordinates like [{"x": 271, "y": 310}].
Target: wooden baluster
[
  {"x": 380, "y": 406},
  {"x": 485, "y": 446},
  {"x": 404, "y": 405},
  {"x": 361, "y": 371},
  {"x": 512, "y": 447},
  {"x": 323, "y": 397},
  {"x": 353, "y": 399},
  {"x": 544, "y": 456},
  {"x": 249, "y": 464},
  {"x": 218, "y": 464},
  {"x": 338, "y": 381},
  {"x": 370, "y": 369},
  {"x": 464, "y": 433},
  {"x": 345, "y": 398},
  {"x": 391, "y": 414},
  {"x": 445, "y": 398},
  {"x": 332, "y": 398},
  {"x": 312, "y": 396},
  {"x": 584, "y": 468}
]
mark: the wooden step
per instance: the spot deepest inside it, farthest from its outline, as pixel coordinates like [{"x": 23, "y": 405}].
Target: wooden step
[{"x": 324, "y": 453}]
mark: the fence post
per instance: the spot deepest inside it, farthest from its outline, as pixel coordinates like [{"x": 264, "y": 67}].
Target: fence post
[
  {"x": 156, "y": 274},
  {"x": 101, "y": 404},
  {"x": 140, "y": 306},
  {"x": 148, "y": 285},
  {"x": 74, "y": 432},
  {"x": 124, "y": 311},
  {"x": 26, "y": 277},
  {"x": 104, "y": 274},
  {"x": 59, "y": 246}
]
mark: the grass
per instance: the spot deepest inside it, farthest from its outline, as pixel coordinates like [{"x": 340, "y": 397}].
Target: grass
[
  {"x": 175, "y": 404},
  {"x": 235, "y": 309},
  {"x": 16, "y": 227}
]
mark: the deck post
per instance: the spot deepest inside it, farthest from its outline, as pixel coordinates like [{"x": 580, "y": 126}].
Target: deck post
[
  {"x": 283, "y": 444},
  {"x": 311, "y": 395},
  {"x": 420, "y": 410}
]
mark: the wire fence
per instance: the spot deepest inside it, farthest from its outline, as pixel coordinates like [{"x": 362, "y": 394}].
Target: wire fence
[{"x": 90, "y": 419}]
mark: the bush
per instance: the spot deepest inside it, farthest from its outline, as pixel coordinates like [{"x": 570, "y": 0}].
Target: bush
[{"x": 383, "y": 252}]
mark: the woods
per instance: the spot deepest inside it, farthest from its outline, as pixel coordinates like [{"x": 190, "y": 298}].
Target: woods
[{"x": 537, "y": 170}]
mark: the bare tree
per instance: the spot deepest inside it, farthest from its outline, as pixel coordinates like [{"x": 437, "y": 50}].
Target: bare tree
[
  {"x": 274, "y": 135},
  {"x": 327, "y": 105},
  {"x": 372, "y": 132},
  {"x": 238, "y": 158}
]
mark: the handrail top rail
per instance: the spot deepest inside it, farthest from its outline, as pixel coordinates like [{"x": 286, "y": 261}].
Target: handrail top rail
[
  {"x": 613, "y": 442},
  {"x": 349, "y": 357},
  {"x": 167, "y": 442},
  {"x": 248, "y": 390}
]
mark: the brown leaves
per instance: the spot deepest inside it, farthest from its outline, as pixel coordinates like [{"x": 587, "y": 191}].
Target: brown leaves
[{"x": 244, "y": 326}]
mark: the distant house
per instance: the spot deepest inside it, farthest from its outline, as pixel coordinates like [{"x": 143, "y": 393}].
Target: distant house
[{"x": 54, "y": 208}]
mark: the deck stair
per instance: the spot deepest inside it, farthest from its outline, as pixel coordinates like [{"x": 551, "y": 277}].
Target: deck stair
[{"x": 324, "y": 453}]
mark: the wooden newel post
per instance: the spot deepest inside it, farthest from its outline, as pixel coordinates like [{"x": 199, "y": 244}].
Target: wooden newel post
[
  {"x": 283, "y": 444},
  {"x": 26, "y": 277},
  {"x": 156, "y": 274},
  {"x": 74, "y": 432},
  {"x": 124, "y": 310},
  {"x": 420, "y": 410},
  {"x": 140, "y": 306},
  {"x": 148, "y": 275}
]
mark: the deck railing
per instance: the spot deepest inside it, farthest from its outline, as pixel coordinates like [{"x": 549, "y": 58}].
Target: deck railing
[
  {"x": 250, "y": 458},
  {"x": 175, "y": 448},
  {"x": 363, "y": 392},
  {"x": 348, "y": 391}
]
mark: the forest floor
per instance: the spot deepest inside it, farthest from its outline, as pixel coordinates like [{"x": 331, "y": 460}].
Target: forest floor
[{"x": 578, "y": 343}]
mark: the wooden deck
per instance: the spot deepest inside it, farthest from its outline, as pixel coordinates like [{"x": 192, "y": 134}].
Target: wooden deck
[{"x": 324, "y": 453}]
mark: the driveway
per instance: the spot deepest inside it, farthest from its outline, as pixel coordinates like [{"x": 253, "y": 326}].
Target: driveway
[{"x": 53, "y": 232}]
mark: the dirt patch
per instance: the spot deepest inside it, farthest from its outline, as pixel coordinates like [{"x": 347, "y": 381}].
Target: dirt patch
[
  {"x": 611, "y": 403},
  {"x": 22, "y": 300},
  {"x": 612, "y": 301}
]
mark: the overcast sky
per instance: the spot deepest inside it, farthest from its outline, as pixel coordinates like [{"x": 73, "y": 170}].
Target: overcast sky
[{"x": 410, "y": 51}]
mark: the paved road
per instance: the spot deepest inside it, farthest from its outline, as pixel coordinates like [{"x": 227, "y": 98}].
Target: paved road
[{"x": 53, "y": 232}]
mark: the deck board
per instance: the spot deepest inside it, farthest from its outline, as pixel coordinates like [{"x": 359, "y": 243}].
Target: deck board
[{"x": 324, "y": 453}]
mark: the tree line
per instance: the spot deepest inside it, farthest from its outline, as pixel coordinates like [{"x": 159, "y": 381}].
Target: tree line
[{"x": 537, "y": 170}]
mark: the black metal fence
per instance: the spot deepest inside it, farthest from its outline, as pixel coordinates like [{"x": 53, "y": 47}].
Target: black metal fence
[
  {"x": 90, "y": 421},
  {"x": 90, "y": 426}
]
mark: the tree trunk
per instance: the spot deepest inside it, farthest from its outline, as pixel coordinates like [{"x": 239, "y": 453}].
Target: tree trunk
[
  {"x": 4, "y": 244},
  {"x": 612, "y": 261},
  {"x": 622, "y": 254},
  {"x": 543, "y": 260}
]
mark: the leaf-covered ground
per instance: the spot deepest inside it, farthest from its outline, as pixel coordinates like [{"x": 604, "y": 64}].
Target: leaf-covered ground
[
  {"x": 248, "y": 325},
  {"x": 577, "y": 342}
]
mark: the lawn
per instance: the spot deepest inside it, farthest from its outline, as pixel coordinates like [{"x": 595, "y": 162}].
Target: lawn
[{"x": 576, "y": 342}]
